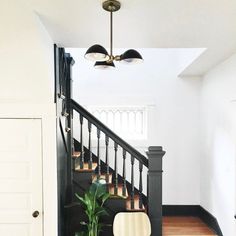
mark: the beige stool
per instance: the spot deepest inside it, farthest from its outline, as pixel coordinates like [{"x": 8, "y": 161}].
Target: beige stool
[{"x": 131, "y": 224}]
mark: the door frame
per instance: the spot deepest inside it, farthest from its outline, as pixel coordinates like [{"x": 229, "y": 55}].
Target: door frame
[{"x": 47, "y": 114}]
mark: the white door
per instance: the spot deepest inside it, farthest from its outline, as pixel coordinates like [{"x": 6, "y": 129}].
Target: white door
[{"x": 20, "y": 177}]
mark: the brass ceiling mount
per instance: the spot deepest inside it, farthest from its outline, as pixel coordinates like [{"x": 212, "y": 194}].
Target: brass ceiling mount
[{"x": 111, "y": 5}]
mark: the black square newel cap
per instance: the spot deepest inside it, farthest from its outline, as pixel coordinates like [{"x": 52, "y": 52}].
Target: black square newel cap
[
  {"x": 97, "y": 53},
  {"x": 155, "y": 149}
]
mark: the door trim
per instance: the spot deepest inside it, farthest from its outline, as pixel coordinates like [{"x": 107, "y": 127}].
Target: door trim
[{"x": 47, "y": 114}]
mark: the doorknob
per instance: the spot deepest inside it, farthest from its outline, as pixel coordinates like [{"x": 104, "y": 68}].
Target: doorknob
[{"x": 35, "y": 214}]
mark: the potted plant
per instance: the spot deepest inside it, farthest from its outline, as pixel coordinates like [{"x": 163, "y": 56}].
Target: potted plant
[{"x": 93, "y": 203}]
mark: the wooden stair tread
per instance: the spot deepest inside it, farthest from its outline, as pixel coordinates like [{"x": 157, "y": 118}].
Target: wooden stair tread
[
  {"x": 76, "y": 154},
  {"x": 86, "y": 167},
  {"x": 103, "y": 177},
  {"x": 119, "y": 194},
  {"x": 136, "y": 204}
]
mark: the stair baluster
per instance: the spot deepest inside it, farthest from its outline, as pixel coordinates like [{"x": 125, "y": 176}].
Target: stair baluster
[
  {"x": 132, "y": 183},
  {"x": 140, "y": 185},
  {"x": 116, "y": 171},
  {"x": 98, "y": 153},
  {"x": 82, "y": 143},
  {"x": 124, "y": 173},
  {"x": 90, "y": 163},
  {"x": 107, "y": 159}
]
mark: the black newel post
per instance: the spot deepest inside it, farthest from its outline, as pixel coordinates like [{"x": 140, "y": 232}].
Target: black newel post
[{"x": 155, "y": 155}]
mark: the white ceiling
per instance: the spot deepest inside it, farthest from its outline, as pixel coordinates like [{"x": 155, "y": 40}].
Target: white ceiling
[
  {"x": 207, "y": 24},
  {"x": 158, "y": 63},
  {"x": 147, "y": 78}
]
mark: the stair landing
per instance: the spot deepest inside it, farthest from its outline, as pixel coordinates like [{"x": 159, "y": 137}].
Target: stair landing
[{"x": 185, "y": 226}]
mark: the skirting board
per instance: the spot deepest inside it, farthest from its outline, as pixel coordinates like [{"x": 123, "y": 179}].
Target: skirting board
[{"x": 193, "y": 210}]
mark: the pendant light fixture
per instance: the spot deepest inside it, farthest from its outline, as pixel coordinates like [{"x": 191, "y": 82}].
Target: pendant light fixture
[{"x": 99, "y": 54}]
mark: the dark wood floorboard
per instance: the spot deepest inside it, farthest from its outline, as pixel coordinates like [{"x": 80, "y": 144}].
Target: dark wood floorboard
[{"x": 185, "y": 226}]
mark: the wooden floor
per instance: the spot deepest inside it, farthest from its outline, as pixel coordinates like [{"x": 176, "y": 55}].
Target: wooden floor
[{"x": 185, "y": 226}]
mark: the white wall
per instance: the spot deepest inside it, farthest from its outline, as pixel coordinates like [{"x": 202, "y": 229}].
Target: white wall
[
  {"x": 219, "y": 144},
  {"x": 173, "y": 105},
  {"x": 26, "y": 62},
  {"x": 26, "y": 88}
]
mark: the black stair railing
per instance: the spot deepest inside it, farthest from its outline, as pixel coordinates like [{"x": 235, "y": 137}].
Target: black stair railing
[
  {"x": 107, "y": 159},
  {"x": 153, "y": 164},
  {"x": 103, "y": 128},
  {"x": 116, "y": 170},
  {"x": 90, "y": 145},
  {"x": 82, "y": 143},
  {"x": 124, "y": 173},
  {"x": 140, "y": 184},
  {"x": 98, "y": 152},
  {"x": 132, "y": 183}
]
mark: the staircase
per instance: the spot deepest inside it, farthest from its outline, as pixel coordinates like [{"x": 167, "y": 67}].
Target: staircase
[{"x": 82, "y": 163}]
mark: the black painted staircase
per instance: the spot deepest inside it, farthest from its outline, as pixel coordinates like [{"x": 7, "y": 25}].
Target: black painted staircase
[
  {"x": 79, "y": 166},
  {"x": 87, "y": 167},
  {"x": 120, "y": 200}
]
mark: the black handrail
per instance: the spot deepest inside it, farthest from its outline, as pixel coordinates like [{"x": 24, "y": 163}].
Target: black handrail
[{"x": 108, "y": 132}]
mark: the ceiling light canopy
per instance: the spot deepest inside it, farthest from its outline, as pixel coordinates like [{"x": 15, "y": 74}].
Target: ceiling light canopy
[{"x": 100, "y": 55}]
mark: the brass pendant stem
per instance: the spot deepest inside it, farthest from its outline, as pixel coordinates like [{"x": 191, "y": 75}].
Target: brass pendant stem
[
  {"x": 111, "y": 6},
  {"x": 111, "y": 34}
]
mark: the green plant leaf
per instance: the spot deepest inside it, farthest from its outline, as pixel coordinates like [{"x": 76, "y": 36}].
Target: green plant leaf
[
  {"x": 97, "y": 189},
  {"x": 93, "y": 201},
  {"x": 80, "y": 198},
  {"x": 101, "y": 190},
  {"x": 93, "y": 188},
  {"x": 89, "y": 201},
  {"x": 105, "y": 197},
  {"x": 100, "y": 211}
]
